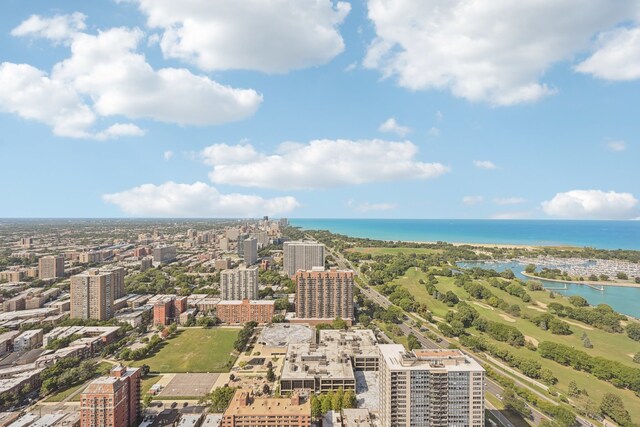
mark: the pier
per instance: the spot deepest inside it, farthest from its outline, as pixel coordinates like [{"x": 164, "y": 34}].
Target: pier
[{"x": 557, "y": 289}]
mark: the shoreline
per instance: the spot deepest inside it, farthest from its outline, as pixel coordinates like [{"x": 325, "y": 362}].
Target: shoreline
[
  {"x": 483, "y": 245},
  {"x": 585, "y": 282}
]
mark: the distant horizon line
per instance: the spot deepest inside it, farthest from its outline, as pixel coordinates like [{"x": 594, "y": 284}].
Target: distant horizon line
[{"x": 320, "y": 218}]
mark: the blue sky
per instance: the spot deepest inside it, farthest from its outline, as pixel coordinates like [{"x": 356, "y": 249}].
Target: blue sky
[{"x": 133, "y": 108}]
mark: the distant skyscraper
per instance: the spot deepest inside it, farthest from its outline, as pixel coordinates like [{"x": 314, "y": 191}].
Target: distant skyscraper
[
  {"x": 430, "y": 388},
  {"x": 302, "y": 256},
  {"x": 239, "y": 284},
  {"x": 93, "y": 293},
  {"x": 250, "y": 251},
  {"x": 112, "y": 401},
  {"x": 50, "y": 267},
  {"x": 323, "y": 294}
]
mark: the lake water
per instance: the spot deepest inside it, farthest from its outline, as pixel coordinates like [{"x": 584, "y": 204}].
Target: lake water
[
  {"x": 623, "y": 300},
  {"x": 598, "y": 234}
]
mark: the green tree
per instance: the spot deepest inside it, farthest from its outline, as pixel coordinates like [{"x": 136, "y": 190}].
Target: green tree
[
  {"x": 364, "y": 320},
  {"x": 271, "y": 376},
  {"x": 316, "y": 407},
  {"x": 633, "y": 331},
  {"x": 220, "y": 398},
  {"x": 613, "y": 407},
  {"x": 336, "y": 400},
  {"x": 349, "y": 399},
  {"x": 573, "y": 389},
  {"x": 338, "y": 323},
  {"x": 413, "y": 342},
  {"x": 327, "y": 400}
]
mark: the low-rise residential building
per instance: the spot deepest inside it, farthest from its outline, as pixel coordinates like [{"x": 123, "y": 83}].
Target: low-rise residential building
[
  {"x": 260, "y": 311},
  {"x": 246, "y": 410},
  {"x": 329, "y": 364},
  {"x": 28, "y": 340}
]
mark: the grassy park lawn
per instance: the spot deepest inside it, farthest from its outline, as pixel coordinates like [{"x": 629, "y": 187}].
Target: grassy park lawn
[
  {"x": 194, "y": 350},
  {"x": 59, "y": 397},
  {"x": 603, "y": 342},
  {"x": 394, "y": 251}
]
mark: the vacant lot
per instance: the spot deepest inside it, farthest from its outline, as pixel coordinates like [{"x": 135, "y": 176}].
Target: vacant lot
[{"x": 194, "y": 350}]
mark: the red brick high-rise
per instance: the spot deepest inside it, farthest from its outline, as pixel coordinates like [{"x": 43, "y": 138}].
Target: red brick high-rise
[
  {"x": 112, "y": 401},
  {"x": 168, "y": 309},
  {"x": 324, "y": 294}
]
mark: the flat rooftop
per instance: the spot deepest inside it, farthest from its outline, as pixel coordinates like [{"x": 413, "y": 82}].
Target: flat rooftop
[
  {"x": 283, "y": 334},
  {"x": 266, "y": 406},
  {"x": 396, "y": 357}
]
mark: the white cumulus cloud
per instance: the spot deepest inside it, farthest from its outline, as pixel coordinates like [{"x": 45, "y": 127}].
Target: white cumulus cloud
[
  {"x": 168, "y": 155},
  {"x": 433, "y": 131},
  {"x": 617, "y": 145},
  {"x": 485, "y": 164},
  {"x": 370, "y": 207},
  {"x": 195, "y": 200},
  {"x": 318, "y": 164},
  {"x": 472, "y": 200},
  {"x": 59, "y": 28},
  {"x": 592, "y": 204},
  {"x": 272, "y": 36},
  {"x": 120, "y": 130},
  {"x": 617, "y": 56},
  {"x": 105, "y": 76},
  {"x": 391, "y": 125},
  {"x": 492, "y": 51},
  {"x": 511, "y": 215},
  {"x": 509, "y": 200}
]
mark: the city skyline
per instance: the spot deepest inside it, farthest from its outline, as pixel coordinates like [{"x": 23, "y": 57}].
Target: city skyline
[{"x": 134, "y": 109}]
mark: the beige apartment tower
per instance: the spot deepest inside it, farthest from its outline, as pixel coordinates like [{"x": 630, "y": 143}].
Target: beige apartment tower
[
  {"x": 302, "y": 256},
  {"x": 239, "y": 284},
  {"x": 51, "y": 267},
  {"x": 430, "y": 388},
  {"x": 324, "y": 294},
  {"x": 93, "y": 292}
]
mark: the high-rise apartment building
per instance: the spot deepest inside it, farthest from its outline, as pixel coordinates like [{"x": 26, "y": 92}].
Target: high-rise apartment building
[
  {"x": 164, "y": 254},
  {"x": 430, "y": 388},
  {"x": 112, "y": 401},
  {"x": 93, "y": 292},
  {"x": 239, "y": 284},
  {"x": 250, "y": 251},
  {"x": 324, "y": 294},
  {"x": 302, "y": 256},
  {"x": 50, "y": 267},
  {"x": 168, "y": 309}
]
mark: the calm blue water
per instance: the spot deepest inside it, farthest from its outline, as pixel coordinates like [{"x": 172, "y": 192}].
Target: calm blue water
[
  {"x": 599, "y": 234},
  {"x": 623, "y": 300}
]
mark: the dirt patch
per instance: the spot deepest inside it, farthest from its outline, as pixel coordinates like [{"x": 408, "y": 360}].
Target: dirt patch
[
  {"x": 533, "y": 307},
  {"x": 508, "y": 318},
  {"x": 579, "y": 325},
  {"x": 541, "y": 304},
  {"x": 483, "y": 305},
  {"x": 532, "y": 340}
]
